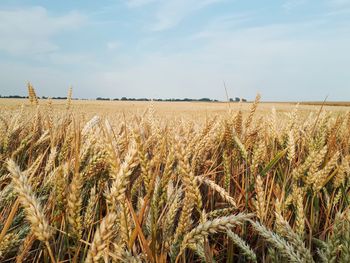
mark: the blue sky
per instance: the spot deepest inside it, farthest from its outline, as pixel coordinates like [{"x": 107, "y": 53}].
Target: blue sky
[{"x": 286, "y": 50}]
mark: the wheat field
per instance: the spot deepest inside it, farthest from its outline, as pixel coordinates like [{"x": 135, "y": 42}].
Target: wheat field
[{"x": 87, "y": 181}]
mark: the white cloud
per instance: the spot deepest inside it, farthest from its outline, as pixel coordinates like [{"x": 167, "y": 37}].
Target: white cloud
[
  {"x": 223, "y": 24},
  {"x": 338, "y": 7},
  {"x": 29, "y": 31},
  {"x": 138, "y": 3},
  {"x": 279, "y": 60},
  {"x": 47, "y": 81},
  {"x": 292, "y": 4},
  {"x": 339, "y": 3},
  {"x": 112, "y": 45},
  {"x": 69, "y": 59},
  {"x": 296, "y": 61},
  {"x": 171, "y": 12}
]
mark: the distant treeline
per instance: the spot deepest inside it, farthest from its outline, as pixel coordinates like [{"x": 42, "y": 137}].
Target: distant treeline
[
  {"x": 146, "y": 99},
  {"x": 185, "y": 99},
  {"x": 14, "y": 97},
  {"x": 42, "y": 97},
  {"x": 128, "y": 99}
]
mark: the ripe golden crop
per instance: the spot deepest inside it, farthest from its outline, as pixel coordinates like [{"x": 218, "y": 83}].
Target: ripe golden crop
[{"x": 173, "y": 182}]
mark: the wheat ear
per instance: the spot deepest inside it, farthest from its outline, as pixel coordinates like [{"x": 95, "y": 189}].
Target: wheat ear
[
  {"x": 100, "y": 242},
  {"x": 212, "y": 227},
  {"x": 32, "y": 207}
]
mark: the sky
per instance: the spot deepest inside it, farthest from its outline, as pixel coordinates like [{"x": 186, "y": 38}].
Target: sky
[{"x": 287, "y": 50}]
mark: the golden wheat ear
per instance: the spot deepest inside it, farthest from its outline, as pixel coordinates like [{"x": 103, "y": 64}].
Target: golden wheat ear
[
  {"x": 69, "y": 98},
  {"x": 33, "y": 209},
  {"x": 34, "y": 212}
]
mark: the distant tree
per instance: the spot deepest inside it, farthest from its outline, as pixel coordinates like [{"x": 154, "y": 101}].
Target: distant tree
[{"x": 204, "y": 99}]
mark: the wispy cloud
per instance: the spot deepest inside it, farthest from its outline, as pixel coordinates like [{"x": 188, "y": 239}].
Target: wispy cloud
[
  {"x": 29, "y": 30},
  {"x": 112, "y": 45},
  {"x": 339, "y": 3},
  {"x": 223, "y": 24},
  {"x": 338, "y": 8},
  {"x": 281, "y": 60},
  {"x": 188, "y": 48},
  {"x": 138, "y": 3},
  {"x": 170, "y": 13},
  {"x": 292, "y": 4}
]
